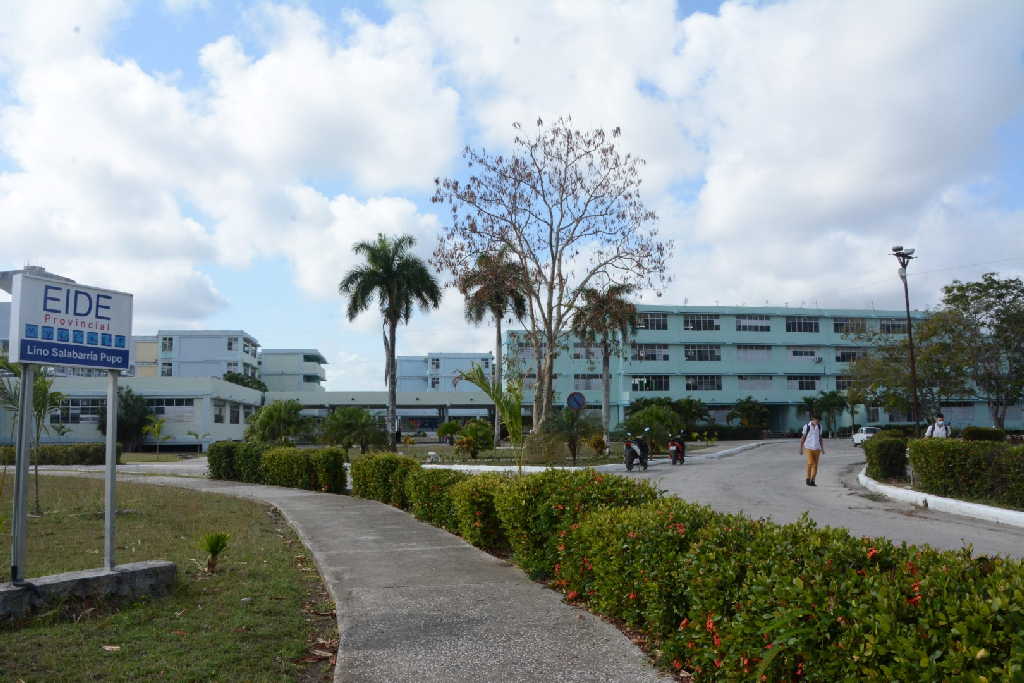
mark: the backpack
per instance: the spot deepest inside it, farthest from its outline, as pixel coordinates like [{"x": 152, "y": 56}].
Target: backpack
[{"x": 932, "y": 431}]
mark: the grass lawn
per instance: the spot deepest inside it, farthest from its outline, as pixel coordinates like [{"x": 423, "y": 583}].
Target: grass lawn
[
  {"x": 162, "y": 456},
  {"x": 203, "y": 630},
  {"x": 586, "y": 456}
]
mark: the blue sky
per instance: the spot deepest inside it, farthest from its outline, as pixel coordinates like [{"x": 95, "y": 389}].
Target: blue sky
[{"x": 219, "y": 158}]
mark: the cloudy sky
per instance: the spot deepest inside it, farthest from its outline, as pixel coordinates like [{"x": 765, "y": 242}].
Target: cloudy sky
[{"x": 218, "y": 158}]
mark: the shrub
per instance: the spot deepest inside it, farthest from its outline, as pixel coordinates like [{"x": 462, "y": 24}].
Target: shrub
[
  {"x": 537, "y": 509},
  {"x": 478, "y": 521},
  {"x": 973, "y": 433},
  {"x": 979, "y": 470},
  {"x": 733, "y": 432},
  {"x": 482, "y": 434},
  {"x": 288, "y": 466},
  {"x": 249, "y": 461},
  {"x": 886, "y": 457},
  {"x": 448, "y": 429},
  {"x": 221, "y": 460},
  {"x": 429, "y": 494},
  {"x": 329, "y": 464},
  {"x": 382, "y": 477},
  {"x": 63, "y": 454}
]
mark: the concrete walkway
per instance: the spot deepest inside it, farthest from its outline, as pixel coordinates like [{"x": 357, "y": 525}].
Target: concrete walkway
[{"x": 416, "y": 603}]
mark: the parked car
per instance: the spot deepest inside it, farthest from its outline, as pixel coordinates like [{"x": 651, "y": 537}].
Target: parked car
[{"x": 863, "y": 434}]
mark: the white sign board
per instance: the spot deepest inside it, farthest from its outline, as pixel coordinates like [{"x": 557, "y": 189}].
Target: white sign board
[{"x": 64, "y": 323}]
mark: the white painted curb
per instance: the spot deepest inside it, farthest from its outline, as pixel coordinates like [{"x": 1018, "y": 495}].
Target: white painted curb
[
  {"x": 951, "y": 505},
  {"x": 729, "y": 451}
]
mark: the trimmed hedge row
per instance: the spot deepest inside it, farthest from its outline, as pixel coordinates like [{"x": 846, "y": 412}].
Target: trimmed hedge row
[
  {"x": 321, "y": 469},
  {"x": 973, "y": 433},
  {"x": 886, "y": 457},
  {"x": 729, "y": 598},
  {"x": 979, "y": 470},
  {"x": 64, "y": 454},
  {"x": 382, "y": 478}
]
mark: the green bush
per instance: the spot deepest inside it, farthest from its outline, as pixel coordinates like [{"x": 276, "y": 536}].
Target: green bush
[
  {"x": 221, "y": 460},
  {"x": 897, "y": 430},
  {"x": 973, "y": 433},
  {"x": 536, "y": 510},
  {"x": 429, "y": 494},
  {"x": 289, "y": 466},
  {"x": 975, "y": 470},
  {"x": 249, "y": 461},
  {"x": 474, "y": 507},
  {"x": 329, "y": 464},
  {"x": 732, "y": 432},
  {"x": 886, "y": 457},
  {"x": 482, "y": 434},
  {"x": 64, "y": 454},
  {"x": 382, "y": 477}
]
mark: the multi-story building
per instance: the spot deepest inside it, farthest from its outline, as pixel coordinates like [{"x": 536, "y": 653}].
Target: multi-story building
[
  {"x": 292, "y": 369},
  {"x": 440, "y": 371},
  {"x": 206, "y": 353},
  {"x": 722, "y": 354}
]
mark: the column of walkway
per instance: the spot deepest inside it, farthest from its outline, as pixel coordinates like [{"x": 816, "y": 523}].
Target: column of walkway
[{"x": 416, "y": 603}]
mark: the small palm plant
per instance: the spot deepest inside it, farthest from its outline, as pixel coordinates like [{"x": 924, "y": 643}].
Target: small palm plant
[{"x": 214, "y": 544}]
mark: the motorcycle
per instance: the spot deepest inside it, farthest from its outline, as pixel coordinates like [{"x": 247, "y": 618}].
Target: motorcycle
[
  {"x": 676, "y": 449},
  {"x": 634, "y": 450}
]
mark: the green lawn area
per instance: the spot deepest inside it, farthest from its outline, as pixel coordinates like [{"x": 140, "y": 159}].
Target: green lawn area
[
  {"x": 586, "y": 456},
  {"x": 203, "y": 630},
  {"x": 162, "y": 456}
]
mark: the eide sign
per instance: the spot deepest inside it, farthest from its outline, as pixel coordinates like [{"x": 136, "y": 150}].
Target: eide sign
[{"x": 65, "y": 323}]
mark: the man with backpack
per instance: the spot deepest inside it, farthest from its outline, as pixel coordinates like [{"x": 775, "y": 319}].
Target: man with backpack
[
  {"x": 812, "y": 446},
  {"x": 937, "y": 430}
]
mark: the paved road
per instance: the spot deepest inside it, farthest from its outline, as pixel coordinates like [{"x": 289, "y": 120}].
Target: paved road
[{"x": 769, "y": 482}]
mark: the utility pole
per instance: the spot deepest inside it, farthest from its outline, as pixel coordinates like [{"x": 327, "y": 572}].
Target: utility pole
[{"x": 904, "y": 256}]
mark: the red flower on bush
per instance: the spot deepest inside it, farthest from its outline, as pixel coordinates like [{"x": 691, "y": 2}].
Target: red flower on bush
[
  {"x": 872, "y": 552},
  {"x": 572, "y": 595},
  {"x": 677, "y": 664},
  {"x": 718, "y": 663},
  {"x": 716, "y": 640},
  {"x": 914, "y": 600},
  {"x": 631, "y": 596},
  {"x": 683, "y": 624},
  {"x": 631, "y": 534}
]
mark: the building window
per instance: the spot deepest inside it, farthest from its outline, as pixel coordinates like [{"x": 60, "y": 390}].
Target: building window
[
  {"x": 754, "y": 382},
  {"x": 800, "y": 323},
  {"x": 650, "y": 383},
  {"x": 435, "y": 363},
  {"x": 166, "y": 343},
  {"x": 801, "y": 353},
  {"x": 896, "y": 417},
  {"x": 232, "y": 343},
  {"x": 586, "y": 382},
  {"x": 218, "y": 411},
  {"x": 583, "y": 351},
  {"x": 849, "y": 325},
  {"x": 702, "y": 352},
  {"x": 235, "y": 411},
  {"x": 703, "y": 382},
  {"x": 753, "y": 323},
  {"x": 802, "y": 382},
  {"x": 843, "y": 382},
  {"x": 650, "y": 352},
  {"x": 700, "y": 321},
  {"x": 232, "y": 366},
  {"x": 435, "y": 382},
  {"x": 849, "y": 355},
  {"x": 872, "y": 415},
  {"x": 652, "y": 321},
  {"x": 749, "y": 352},
  {"x": 166, "y": 369},
  {"x": 309, "y": 358},
  {"x": 892, "y": 326},
  {"x": 73, "y": 411},
  {"x": 310, "y": 379}
]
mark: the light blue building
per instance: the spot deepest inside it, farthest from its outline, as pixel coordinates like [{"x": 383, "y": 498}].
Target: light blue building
[{"x": 721, "y": 354}]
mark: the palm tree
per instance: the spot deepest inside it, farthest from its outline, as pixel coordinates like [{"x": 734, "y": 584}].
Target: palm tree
[
  {"x": 494, "y": 287},
  {"x": 398, "y": 280},
  {"x": 750, "y": 412},
  {"x": 602, "y": 315}
]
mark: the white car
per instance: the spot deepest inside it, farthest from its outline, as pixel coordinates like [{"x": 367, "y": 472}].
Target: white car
[{"x": 863, "y": 434}]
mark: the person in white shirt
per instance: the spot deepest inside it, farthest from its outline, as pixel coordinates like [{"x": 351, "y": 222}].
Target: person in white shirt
[
  {"x": 937, "y": 430},
  {"x": 812, "y": 446}
]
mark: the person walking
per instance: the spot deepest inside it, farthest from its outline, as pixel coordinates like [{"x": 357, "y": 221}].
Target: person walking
[
  {"x": 938, "y": 429},
  {"x": 812, "y": 446}
]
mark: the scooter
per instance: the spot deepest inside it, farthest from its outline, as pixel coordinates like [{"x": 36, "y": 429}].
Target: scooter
[
  {"x": 676, "y": 449},
  {"x": 633, "y": 450}
]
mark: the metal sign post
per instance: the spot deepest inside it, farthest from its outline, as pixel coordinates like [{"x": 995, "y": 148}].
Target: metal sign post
[
  {"x": 109, "y": 488},
  {"x": 19, "y": 528}
]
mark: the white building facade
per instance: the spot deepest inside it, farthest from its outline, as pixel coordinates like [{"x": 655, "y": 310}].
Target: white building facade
[{"x": 292, "y": 369}]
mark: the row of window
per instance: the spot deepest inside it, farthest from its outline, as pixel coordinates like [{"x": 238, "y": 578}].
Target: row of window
[
  {"x": 644, "y": 383},
  {"x": 744, "y": 352},
  {"x": 762, "y": 323},
  {"x": 167, "y": 345}
]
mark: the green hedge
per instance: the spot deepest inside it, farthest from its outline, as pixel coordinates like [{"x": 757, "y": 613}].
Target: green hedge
[
  {"x": 886, "y": 458},
  {"x": 733, "y": 599},
  {"x": 382, "y": 477},
  {"x": 976, "y": 470},
  {"x": 536, "y": 511},
  {"x": 64, "y": 454},
  {"x": 973, "y": 433},
  {"x": 429, "y": 494},
  {"x": 474, "y": 508},
  {"x": 321, "y": 469}
]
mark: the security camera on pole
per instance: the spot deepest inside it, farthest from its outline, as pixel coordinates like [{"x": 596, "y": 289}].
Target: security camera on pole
[
  {"x": 904, "y": 256},
  {"x": 58, "y": 322}
]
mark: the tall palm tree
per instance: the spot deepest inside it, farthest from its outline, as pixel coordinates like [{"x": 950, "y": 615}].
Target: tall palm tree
[
  {"x": 398, "y": 280},
  {"x": 605, "y": 317},
  {"x": 495, "y": 288}
]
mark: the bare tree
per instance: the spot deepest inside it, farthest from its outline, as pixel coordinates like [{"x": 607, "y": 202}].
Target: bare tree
[{"x": 565, "y": 206}]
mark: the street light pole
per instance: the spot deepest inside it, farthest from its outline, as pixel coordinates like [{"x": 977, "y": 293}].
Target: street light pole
[{"x": 904, "y": 256}]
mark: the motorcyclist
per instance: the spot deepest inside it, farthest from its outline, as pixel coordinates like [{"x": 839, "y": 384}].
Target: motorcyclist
[
  {"x": 676, "y": 449},
  {"x": 645, "y": 449},
  {"x": 631, "y": 452}
]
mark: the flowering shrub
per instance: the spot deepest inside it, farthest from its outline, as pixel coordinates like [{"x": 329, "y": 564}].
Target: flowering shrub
[
  {"x": 478, "y": 521},
  {"x": 536, "y": 509},
  {"x": 980, "y": 470},
  {"x": 886, "y": 458},
  {"x": 381, "y": 477},
  {"x": 429, "y": 494}
]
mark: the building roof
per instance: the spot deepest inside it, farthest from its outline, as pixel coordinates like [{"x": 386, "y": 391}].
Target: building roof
[
  {"x": 7, "y": 276},
  {"x": 305, "y": 352},
  {"x": 206, "y": 333}
]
